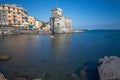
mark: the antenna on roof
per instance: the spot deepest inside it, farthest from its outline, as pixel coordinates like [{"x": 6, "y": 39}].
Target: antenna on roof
[{"x": 56, "y": 3}]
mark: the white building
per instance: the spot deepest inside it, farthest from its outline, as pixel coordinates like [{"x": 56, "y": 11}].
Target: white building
[
  {"x": 60, "y": 23},
  {"x": 38, "y": 24}
]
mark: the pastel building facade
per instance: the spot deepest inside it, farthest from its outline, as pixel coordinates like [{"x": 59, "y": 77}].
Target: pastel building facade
[
  {"x": 38, "y": 24},
  {"x": 31, "y": 21},
  {"x": 60, "y": 23},
  {"x": 11, "y": 14}
]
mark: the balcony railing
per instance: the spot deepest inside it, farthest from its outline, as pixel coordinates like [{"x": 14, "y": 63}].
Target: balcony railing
[{"x": 9, "y": 18}]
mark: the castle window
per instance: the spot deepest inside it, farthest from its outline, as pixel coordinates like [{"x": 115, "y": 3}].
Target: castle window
[
  {"x": 9, "y": 12},
  {"x": 58, "y": 23},
  {"x": 3, "y": 7}
]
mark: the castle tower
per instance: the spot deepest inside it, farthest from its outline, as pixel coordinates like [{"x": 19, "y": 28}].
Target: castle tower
[
  {"x": 60, "y": 23},
  {"x": 56, "y": 12}
]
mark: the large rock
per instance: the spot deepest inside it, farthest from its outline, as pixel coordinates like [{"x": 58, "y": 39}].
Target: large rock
[
  {"x": 4, "y": 57},
  {"x": 23, "y": 78},
  {"x": 2, "y": 77},
  {"x": 109, "y": 68}
]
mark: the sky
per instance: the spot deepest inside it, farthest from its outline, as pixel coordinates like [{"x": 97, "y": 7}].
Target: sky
[{"x": 85, "y": 14}]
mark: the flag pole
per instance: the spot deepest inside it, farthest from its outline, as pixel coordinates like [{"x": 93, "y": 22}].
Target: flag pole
[{"x": 56, "y": 4}]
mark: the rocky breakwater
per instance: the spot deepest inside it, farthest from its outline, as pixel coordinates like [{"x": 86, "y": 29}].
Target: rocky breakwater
[{"x": 109, "y": 68}]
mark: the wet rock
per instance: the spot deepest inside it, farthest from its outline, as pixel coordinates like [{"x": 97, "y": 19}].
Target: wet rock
[
  {"x": 83, "y": 74},
  {"x": 23, "y": 78},
  {"x": 72, "y": 77},
  {"x": 2, "y": 77},
  {"x": 4, "y": 57},
  {"x": 75, "y": 77},
  {"x": 109, "y": 68}
]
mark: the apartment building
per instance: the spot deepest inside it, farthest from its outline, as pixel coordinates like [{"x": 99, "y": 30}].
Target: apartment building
[{"x": 11, "y": 14}]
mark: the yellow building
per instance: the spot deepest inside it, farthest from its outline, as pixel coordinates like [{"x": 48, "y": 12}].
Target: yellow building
[
  {"x": 12, "y": 15},
  {"x": 31, "y": 20},
  {"x": 34, "y": 23}
]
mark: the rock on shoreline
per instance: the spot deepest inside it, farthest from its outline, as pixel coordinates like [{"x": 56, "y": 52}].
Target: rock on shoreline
[
  {"x": 2, "y": 77},
  {"x": 109, "y": 68}
]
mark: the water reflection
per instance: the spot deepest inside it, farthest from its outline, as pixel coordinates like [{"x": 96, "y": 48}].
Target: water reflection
[
  {"x": 13, "y": 44},
  {"x": 40, "y": 56},
  {"x": 60, "y": 45}
]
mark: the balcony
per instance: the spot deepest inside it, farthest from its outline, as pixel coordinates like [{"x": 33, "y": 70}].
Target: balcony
[
  {"x": 9, "y": 14},
  {"x": 9, "y": 18}
]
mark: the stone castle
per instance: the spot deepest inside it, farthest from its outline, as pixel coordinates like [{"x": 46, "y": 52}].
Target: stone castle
[{"x": 59, "y": 23}]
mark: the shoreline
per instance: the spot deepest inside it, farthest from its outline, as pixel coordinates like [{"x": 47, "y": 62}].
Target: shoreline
[{"x": 35, "y": 32}]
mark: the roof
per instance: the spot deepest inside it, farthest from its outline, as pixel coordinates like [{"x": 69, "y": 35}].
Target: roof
[
  {"x": 13, "y": 5},
  {"x": 54, "y": 9}
]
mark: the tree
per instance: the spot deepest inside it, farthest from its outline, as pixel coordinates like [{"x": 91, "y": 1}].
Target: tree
[{"x": 43, "y": 25}]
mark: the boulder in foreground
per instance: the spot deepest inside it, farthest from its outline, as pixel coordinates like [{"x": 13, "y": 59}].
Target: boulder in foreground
[
  {"x": 2, "y": 77},
  {"x": 109, "y": 69},
  {"x": 4, "y": 57}
]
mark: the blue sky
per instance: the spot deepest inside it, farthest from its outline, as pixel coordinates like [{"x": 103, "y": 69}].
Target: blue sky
[{"x": 88, "y": 14}]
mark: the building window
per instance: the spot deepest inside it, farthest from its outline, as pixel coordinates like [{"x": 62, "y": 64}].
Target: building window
[
  {"x": 8, "y": 8},
  {"x": 59, "y": 18},
  {"x": 9, "y": 21},
  {"x": 13, "y": 8},
  {"x": 58, "y": 23},
  {"x": 3, "y": 7},
  {"x": 18, "y": 13},
  {"x": 9, "y": 12},
  {"x": 3, "y": 21},
  {"x": 4, "y": 17},
  {"x": 14, "y": 21},
  {"x": 3, "y": 12}
]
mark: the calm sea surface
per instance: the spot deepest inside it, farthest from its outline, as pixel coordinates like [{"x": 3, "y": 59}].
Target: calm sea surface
[{"x": 56, "y": 58}]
